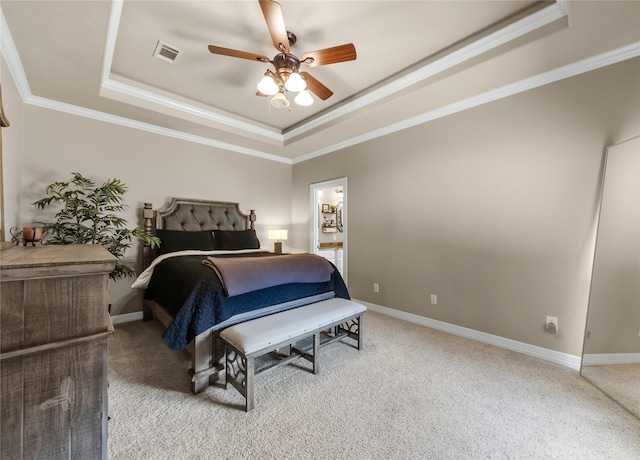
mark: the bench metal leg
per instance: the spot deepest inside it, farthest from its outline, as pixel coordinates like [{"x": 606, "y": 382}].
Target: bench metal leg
[
  {"x": 316, "y": 348},
  {"x": 352, "y": 329},
  {"x": 240, "y": 372},
  {"x": 248, "y": 397}
]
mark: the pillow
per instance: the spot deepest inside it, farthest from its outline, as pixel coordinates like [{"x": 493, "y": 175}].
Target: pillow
[
  {"x": 232, "y": 239},
  {"x": 178, "y": 240}
]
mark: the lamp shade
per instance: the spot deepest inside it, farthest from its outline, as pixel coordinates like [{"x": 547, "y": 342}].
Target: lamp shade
[
  {"x": 295, "y": 83},
  {"x": 278, "y": 234},
  {"x": 304, "y": 98},
  {"x": 279, "y": 101},
  {"x": 268, "y": 86}
]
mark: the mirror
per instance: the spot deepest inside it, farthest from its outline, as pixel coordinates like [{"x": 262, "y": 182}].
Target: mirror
[
  {"x": 611, "y": 353},
  {"x": 329, "y": 222}
]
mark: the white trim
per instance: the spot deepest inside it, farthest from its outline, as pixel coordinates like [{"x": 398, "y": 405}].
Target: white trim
[
  {"x": 153, "y": 101},
  {"x": 127, "y": 317},
  {"x": 134, "y": 124},
  {"x": 112, "y": 36},
  {"x": 564, "y": 359},
  {"x": 597, "y": 359},
  {"x": 12, "y": 58},
  {"x": 570, "y": 70},
  {"x": 500, "y": 37},
  {"x": 163, "y": 104}
]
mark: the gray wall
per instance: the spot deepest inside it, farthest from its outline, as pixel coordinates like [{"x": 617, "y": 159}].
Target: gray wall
[
  {"x": 43, "y": 146},
  {"x": 11, "y": 151},
  {"x": 492, "y": 209}
]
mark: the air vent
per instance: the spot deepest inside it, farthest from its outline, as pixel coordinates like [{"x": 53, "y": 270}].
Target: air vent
[{"x": 166, "y": 52}]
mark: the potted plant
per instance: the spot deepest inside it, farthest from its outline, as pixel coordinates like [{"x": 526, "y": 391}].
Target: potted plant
[{"x": 89, "y": 216}]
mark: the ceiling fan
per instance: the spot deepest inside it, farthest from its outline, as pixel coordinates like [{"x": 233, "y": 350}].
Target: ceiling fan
[{"x": 287, "y": 75}]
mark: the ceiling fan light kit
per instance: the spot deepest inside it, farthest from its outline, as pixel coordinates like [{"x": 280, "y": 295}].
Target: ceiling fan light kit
[
  {"x": 279, "y": 101},
  {"x": 272, "y": 84},
  {"x": 275, "y": 84},
  {"x": 267, "y": 86},
  {"x": 304, "y": 98},
  {"x": 287, "y": 76},
  {"x": 295, "y": 83}
]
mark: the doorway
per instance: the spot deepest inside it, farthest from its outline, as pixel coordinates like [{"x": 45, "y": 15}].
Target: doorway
[{"x": 328, "y": 213}]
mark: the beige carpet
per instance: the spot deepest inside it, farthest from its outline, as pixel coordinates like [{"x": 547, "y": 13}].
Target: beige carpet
[
  {"x": 412, "y": 393},
  {"x": 620, "y": 381}
]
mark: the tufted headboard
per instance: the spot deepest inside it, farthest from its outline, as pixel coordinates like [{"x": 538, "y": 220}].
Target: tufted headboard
[{"x": 192, "y": 216}]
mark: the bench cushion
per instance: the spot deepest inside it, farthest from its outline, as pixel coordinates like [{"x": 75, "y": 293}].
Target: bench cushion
[{"x": 261, "y": 333}]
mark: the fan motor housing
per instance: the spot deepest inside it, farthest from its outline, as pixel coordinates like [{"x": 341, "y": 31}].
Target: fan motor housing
[
  {"x": 285, "y": 65},
  {"x": 286, "y": 61}
]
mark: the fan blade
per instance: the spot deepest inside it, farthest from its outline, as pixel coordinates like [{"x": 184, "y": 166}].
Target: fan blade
[
  {"x": 238, "y": 54},
  {"x": 275, "y": 23},
  {"x": 333, "y": 55},
  {"x": 316, "y": 87},
  {"x": 258, "y": 93}
]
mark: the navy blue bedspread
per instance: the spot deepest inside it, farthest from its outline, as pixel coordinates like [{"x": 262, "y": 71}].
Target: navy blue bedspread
[{"x": 194, "y": 295}]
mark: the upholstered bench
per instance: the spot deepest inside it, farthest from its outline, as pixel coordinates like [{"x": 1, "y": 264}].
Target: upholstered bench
[{"x": 246, "y": 341}]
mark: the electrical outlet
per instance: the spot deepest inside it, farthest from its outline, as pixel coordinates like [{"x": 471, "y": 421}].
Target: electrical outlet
[
  {"x": 551, "y": 324},
  {"x": 376, "y": 287},
  {"x": 434, "y": 299}
]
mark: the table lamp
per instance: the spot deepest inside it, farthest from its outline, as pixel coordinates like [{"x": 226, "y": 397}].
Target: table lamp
[{"x": 278, "y": 236}]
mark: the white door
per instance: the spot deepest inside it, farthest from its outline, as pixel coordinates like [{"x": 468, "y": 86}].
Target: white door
[{"x": 328, "y": 213}]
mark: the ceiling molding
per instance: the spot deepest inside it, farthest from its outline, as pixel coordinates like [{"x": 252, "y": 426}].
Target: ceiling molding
[
  {"x": 570, "y": 70},
  {"x": 14, "y": 64},
  {"x": 123, "y": 92},
  {"x": 169, "y": 106},
  {"x": 112, "y": 36},
  {"x": 163, "y": 104},
  {"x": 148, "y": 127},
  {"x": 12, "y": 58},
  {"x": 476, "y": 48}
]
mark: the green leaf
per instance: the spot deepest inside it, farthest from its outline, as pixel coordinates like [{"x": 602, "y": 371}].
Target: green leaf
[{"x": 88, "y": 214}]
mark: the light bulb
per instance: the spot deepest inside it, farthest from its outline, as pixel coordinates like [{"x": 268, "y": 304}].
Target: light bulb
[
  {"x": 295, "y": 83},
  {"x": 268, "y": 86},
  {"x": 304, "y": 98},
  {"x": 279, "y": 101}
]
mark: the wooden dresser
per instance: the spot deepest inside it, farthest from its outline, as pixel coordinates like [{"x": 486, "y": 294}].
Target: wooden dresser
[{"x": 54, "y": 325}]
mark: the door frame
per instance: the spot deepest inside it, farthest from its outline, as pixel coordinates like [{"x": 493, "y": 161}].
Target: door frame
[{"x": 314, "y": 190}]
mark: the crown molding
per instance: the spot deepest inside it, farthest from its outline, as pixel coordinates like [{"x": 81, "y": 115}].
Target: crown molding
[
  {"x": 11, "y": 57},
  {"x": 14, "y": 64},
  {"x": 148, "y": 127},
  {"x": 474, "y": 49},
  {"x": 153, "y": 101},
  {"x": 570, "y": 70}
]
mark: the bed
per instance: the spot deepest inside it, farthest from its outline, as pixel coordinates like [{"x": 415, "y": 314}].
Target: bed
[{"x": 186, "y": 291}]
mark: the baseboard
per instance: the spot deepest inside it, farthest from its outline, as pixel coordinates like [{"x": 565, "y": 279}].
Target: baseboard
[
  {"x": 564, "y": 359},
  {"x": 598, "y": 359},
  {"x": 127, "y": 317}
]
